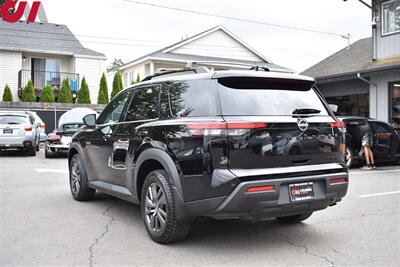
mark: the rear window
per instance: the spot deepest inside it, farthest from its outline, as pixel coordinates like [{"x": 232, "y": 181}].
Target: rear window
[
  {"x": 12, "y": 119},
  {"x": 187, "y": 99},
  {"x": 265, "y": 96},
  {"x": 71, "y": 127}
]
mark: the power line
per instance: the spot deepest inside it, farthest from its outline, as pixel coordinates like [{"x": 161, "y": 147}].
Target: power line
[
  {"x": 237, "y": 19},
  {"x": 198, "y": 46}
]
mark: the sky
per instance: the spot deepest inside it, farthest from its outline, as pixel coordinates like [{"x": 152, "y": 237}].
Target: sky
[{"x": 150, "y": 28}]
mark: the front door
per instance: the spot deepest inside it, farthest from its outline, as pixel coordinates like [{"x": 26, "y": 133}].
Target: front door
[
  {"x": 133, "y": 132},
  {"x": 99, "y": 142},
  {"x": 382, "y": 135}
]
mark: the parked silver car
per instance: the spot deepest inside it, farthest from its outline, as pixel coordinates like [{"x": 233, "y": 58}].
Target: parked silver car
[{"x": 18, "y": 130}]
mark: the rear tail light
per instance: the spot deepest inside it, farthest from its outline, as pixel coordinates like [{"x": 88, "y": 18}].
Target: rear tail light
[
  {"x": 54, "y": 137},
  {"x": 43, "y": 126},
  {"x": 337, "y": 124},
  {"x": 222, "y": 128},
  {"x": 260, "y": 188},
  {"x": 28, "y": 128},
  {"x": 337, "y": 181}
]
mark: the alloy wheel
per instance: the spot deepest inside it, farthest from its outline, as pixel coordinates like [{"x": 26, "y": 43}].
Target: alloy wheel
[
  {"x": 75, "y": 177},
  {"x": 155, "y": 208}
]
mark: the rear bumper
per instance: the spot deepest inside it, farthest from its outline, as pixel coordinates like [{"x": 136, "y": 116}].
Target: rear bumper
[
  {"x": 57, "y": 148},
  {"x": 275, "y": 203},
  {"x": 15, "y": 142}
]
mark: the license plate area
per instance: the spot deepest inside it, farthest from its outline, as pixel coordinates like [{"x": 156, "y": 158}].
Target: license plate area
[
  {"x": 301, "y": 191},
  {"x": 7, "y": 131}
]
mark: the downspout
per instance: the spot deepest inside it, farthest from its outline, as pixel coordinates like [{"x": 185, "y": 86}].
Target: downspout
[
  {"x": 376, "y": 90},
  {"x": 374, "y": 35}
]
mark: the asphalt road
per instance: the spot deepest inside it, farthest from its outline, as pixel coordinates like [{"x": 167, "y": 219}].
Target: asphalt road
[{"x": 40, "y": 224}]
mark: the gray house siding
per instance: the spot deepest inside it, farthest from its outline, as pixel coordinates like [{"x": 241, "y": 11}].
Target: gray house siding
[
  {"x": 386, "y": 45},
  {"x": 379, "y": 93}
]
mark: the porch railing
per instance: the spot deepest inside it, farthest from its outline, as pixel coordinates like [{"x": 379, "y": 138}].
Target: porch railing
[{"x": 43, "y": 78}]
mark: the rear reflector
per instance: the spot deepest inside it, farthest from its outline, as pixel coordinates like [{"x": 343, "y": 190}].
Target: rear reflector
[
  {"x": 261, "y": 188},
  {"x": 28, "y": 128},
  {"x": 337, "y": 124},
  {"x": 337, "y": 181}
]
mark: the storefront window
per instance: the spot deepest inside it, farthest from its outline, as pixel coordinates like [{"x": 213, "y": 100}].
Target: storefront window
[
  {"x": 390, "y": 17},
  {"x": 395, "y": 104}
]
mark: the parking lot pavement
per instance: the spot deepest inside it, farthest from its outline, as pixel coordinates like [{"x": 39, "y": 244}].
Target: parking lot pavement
[{"x": 42, "y": 225}]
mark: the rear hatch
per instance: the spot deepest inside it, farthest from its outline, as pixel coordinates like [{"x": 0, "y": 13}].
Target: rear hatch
[
  {"x": 13, "y": 125},
  {"x": 274, "y": 123}
]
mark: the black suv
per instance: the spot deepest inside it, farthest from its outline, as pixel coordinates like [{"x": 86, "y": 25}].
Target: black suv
[{"x": 226, "y": 144}]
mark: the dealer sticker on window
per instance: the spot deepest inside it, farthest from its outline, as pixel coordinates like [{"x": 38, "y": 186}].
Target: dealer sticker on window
[{"x": 301, "y": 191}]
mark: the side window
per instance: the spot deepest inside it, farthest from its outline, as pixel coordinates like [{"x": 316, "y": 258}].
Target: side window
[
  {"x": 32, "y": 120},
  {"x": 114, "y": 110},
  {"x": 187, "y": 99},
  {"x": 378, "y": 127},
  {"x": 144, "y": 104}
]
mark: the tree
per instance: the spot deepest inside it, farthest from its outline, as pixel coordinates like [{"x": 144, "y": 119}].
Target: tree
[
  {"x": 137, "y": 78},
  {"x": 84, "y": 93},
  {"x": 65, "y": 95},
  {"x": 7, "y": 95},
  {"x": 117, "y": 84},
  {"x": 103, "y": 91},
  {"x": 102, "y": 99},
  {"x": 28, "y": 94},
  {"x": 47, "y": 94}
]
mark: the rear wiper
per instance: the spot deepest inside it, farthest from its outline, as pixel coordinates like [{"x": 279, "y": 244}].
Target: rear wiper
[{"x": 305, "y": 111}]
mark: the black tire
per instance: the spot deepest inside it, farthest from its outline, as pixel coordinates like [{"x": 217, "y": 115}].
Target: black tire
[
  {"x": 48, "y": 154},
  {"x": 31, "y": 151},
  {"x": 78, "y": 181},
  {"x": 294, "y": 218},
  {"x": 161, "y": 208},
  {"x": 349, "y": 157}
]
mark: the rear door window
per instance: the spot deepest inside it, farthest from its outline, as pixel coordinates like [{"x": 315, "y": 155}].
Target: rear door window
[
  {"x": 144, "y": 104},
  {"x": 241, "y": 96},
  {"x": 187, "y": 99}
]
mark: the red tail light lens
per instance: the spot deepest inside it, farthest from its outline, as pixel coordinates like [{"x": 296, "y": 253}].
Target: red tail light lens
[
  {"x": 54, "y": 137},
  {"x": 43, "y": 126},
  {"x": 28, "y": 128},
  {"x": 337, "y": 124},
  {"x": 260, "y": 188},
  {"x": 337, "y": 181},
  {"x": 220, "y": 128}
]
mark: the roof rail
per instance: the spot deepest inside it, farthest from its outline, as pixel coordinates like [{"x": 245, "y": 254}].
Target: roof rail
[
  {"x": 162, "y": 72},
  {"x": 254, "y": 66}
]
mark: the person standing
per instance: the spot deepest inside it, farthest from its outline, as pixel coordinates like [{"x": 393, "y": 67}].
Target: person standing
[{"x": 367, "y": 143}]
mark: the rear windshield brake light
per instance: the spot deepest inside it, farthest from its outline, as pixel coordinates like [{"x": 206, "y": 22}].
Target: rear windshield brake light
[{"x": 337, "y": 124}]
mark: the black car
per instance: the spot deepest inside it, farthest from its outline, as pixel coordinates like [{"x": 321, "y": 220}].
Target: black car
[
  {"x": 58, "y": 141},
  {"x": 386, "y": 141},
  {"x": 190, "y": 143}
]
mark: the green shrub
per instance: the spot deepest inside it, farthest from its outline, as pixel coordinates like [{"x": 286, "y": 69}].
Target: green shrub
[
  {"x": 102, "y": 99},
  {"x": 103, "y": 91},
  {"x": 47, "y": 94},
  {"x": 7, "y": 95},
  {"x": 117, "y": 84},
  {"x": 84, "y": 93},
  {"x": 28, "y": 94},
  {"x": 137, "y": 78},
  {"x": 65, "y": 95}
]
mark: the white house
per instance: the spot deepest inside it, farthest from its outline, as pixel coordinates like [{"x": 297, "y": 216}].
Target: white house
[
  {"x": 216, "y": 46},
  {"x": 46, "y": 53}
]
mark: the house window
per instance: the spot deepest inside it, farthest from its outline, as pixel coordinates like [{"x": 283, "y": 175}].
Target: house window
[
  {"x": 131, "y": 77},
  {"x": 45, "y": 72},
  {"x": 390, "y": 17},
  {"x": 394, "y": 89},
  {"x": 126, "y": 84}
]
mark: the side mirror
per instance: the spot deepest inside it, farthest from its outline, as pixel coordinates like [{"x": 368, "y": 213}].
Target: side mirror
[
  {"x": 333, "y": 107},
  {"x": 90, "y": 120}
]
